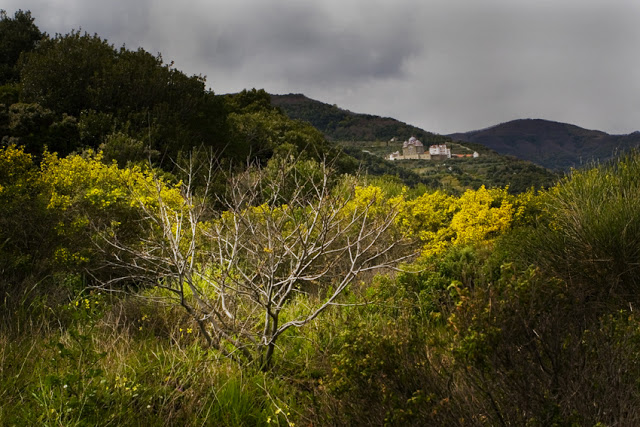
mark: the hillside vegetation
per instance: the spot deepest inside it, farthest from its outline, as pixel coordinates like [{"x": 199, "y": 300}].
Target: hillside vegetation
[
  {"x": 556, "y": 146},
  {"x": 371, "y": 138},
  {"x": 342, "y": 125},
  {"x": 149, "y": 281}
]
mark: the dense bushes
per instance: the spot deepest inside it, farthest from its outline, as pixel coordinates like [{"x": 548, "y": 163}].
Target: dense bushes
[
  {"x": 510, "y": 318},
  {"x": 519, "y": 310},
  {"x": 509, "y": 335},
  {"x": 592, "y": 239}
]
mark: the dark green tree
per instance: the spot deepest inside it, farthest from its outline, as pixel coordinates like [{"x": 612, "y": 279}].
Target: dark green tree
[
  {"x": 84, "y": 76},
  {"x": 34, "y": 127},
  {"x": 17, "y": 35},
  {"x": 63, "y": 72}
]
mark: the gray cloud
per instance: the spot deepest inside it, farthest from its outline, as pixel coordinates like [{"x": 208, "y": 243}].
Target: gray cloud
[
  {"x": 304, "y": 44},
  {"x": 444, "y": 65}
]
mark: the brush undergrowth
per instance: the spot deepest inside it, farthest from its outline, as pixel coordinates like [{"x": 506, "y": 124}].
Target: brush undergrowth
[{"x": 538, "y": 327}]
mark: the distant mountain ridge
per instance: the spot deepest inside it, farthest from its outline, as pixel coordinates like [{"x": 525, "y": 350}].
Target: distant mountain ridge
[
  {"x": 554, "y": 145},
  {"x": 370, "y": 139},
  {"x": 343, "y": 125}
]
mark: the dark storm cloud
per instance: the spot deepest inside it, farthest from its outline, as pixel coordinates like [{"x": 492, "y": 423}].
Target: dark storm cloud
[
  {"x": 444, "y": 65},
  {"x": 496, "y": 61},
  {"x": 306, "y": 45},
  {"x": 117, "y": 20}
]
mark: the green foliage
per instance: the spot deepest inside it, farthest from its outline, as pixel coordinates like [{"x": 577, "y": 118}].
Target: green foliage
[
  {"x": 533, "y": 354},
  {"x": 36, "y": 128},
  {"x": 17, "y": 35},
  {"x": 63, "y": 72},
  {"x": 256, "y": 134},
  {"x": 249, "y": 101},
  {"x": 125, "y": 150},
  {"x": 9, "y": 94},
  {"x": 122, "y": 90},
  {"x": 592, "y": 236},
  {"x": 282, "y": 178},
  {"x": 87, "y": 197},
  {"x": 94, "y": 126}
]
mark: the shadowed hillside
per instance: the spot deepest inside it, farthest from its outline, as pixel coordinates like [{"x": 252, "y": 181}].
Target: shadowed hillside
[
  {"x": 370, "y": 138},
  {"x": 343, "y": 125},
  {"x": 550, "y": 144}
]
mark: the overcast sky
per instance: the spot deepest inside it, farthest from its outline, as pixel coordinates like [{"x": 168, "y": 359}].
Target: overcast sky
[{"x": 442, "y": 65}]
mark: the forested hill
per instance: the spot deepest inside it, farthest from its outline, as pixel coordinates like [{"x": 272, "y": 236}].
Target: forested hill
[
  {"x": 77, "y": 92},
  {"x": 550, "y": 144},
  {"x": 369, "y": 138},
  {"x": 343, "y": 125}
]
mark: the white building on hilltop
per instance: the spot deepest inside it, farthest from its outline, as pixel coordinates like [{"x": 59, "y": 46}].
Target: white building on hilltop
[
  {"x": 411, "y": 149},
  {"x": 440, "y": 152},
  {"x": 414, "y": 149}
]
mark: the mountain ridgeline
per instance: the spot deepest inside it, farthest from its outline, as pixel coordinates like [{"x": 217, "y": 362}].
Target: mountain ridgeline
[
  {"x": 370, "y": 138},
  {"x": 342, "y": 125},
  {"x": 554, "y": 145}
]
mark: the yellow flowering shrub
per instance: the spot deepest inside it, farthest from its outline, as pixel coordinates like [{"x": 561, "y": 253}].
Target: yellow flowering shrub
[
  {"x": 16, "y": 171},
  {"x": 373, "y": 199},
  {"x": 480, "y": 215},
  {"x": 87, "y": 195},
  {"x": 440, "y": 220}
]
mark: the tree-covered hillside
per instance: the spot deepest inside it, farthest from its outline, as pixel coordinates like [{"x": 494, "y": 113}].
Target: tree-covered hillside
[
  {"x": 554, "y": 145},
  {"x": 342, "y": 125},
  {"x": 370, "y": 139}
]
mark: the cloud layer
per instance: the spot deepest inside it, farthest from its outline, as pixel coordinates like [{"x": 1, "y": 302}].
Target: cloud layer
[{"x": 443, "y": 65}]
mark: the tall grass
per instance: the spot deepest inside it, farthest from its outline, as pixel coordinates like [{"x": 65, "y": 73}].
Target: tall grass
[
  {"x": 118, "y": 366},
  {"x": 594, "y": 236}
]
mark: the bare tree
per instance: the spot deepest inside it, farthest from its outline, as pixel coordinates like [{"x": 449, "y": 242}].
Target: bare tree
[{"x": 282, "y": 233}]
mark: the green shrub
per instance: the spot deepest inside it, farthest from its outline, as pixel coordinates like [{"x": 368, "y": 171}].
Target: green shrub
[{"x": 592, "y": 240}]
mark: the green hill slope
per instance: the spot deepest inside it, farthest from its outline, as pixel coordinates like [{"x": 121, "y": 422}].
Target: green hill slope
[
  {"x": 371, "y": 138},
  {"x": 551, "y": 144},
  {"x": 343, "y": 125}
]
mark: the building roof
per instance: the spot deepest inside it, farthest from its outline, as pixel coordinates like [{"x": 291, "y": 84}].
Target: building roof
[{"x": 412, "y": 141}]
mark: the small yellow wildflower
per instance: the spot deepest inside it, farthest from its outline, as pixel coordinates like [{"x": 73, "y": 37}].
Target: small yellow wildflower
[{"x": 189, "y": 330}]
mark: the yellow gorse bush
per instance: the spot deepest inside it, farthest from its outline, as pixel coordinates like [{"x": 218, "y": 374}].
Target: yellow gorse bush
[
  {"x": 480, "y": 215},
  {"x": 87, "y": 179},
  {"x": 440, "y": 220},
  {"x": 83, "y": 192},
  {"x": 16, "y": 171}
]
